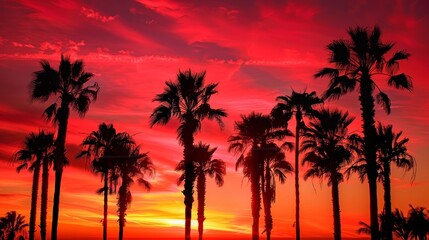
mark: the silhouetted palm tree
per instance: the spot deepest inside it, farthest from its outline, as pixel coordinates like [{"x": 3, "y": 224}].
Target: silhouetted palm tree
[
  {"x": 300, "y": 105},
  {"x": 132, "y": 165},
  {"x": 187, "y": 99},
  {"x": 204, "y": 165},
  {"x": 391, "y": 149},
  {"x": 275, "y": 164},
  {"x": 68, "y": 83},
  {"x": 326, "y": 142},
  {"x": 12, "y": 225},
  {"x": 101, "y": 145},
  {"x": 356, "y": 62},
  {"x": 419, "y": 222},
  {"x": 401, "y": 225},
  {"x": 37, "y": 151},
  {"x": 254, "y": 132}
]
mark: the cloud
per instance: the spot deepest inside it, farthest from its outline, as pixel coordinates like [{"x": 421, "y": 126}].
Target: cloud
[
  {"x": 92, "y": 14},
  {"x": 23, "y": 45}
]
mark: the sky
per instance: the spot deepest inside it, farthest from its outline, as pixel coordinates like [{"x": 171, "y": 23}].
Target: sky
[{"x": 255, "y": 50}]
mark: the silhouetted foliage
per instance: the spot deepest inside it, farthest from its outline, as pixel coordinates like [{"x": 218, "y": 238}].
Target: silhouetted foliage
[{"x": 12, "y": 226}]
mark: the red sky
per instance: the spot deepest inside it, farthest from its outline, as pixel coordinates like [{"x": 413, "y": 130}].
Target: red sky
[{"x": 255, "y": 50}]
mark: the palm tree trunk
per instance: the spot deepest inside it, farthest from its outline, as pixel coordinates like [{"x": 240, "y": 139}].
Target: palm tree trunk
[
  {"x": 336, "y": 208},
  {"x": 256, "y": 205},
  {"x": 106, "y": 192},
  {"x": 44, "y": 200},
  {"x": 267, "y": 195},
  {"x": 34, "y": 193},
  {"x": 60, "y": 159},
  {"x": 201, "y": 188},
  {"x": 369, "y": 132},
  {"x": 189, "y": 180},
  {"x": 122, "y": 204},
  {"x": 297, "y": 225},
  {"x": 387, "y": 202}
]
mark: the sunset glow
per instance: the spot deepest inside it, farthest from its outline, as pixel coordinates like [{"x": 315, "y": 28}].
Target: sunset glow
[{"x": 255, "y": 50}]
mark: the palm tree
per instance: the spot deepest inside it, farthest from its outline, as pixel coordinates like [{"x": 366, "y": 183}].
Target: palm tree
[
  {"x": 419, "y": 222},
  {"x": 131, "y": 165},
  {"x": 328, "y": 152},
  {"x": 204, "y": 165},
  {"x": 300, "y": 105},
  {"x": 254, "y": 132},
  {"x": 100, "y": 145},
  {"x": 69, "y": 84},
  {"x": 401, "y": 225},
  {"x": 275, "y": 164},
  {"x": 391, "y": 148},
  {"x": 356, "y": 62},
  {"x": 187, "y": 99},
  {"x": 12, "y": 224},
  {"x": 37, "y": 151}
]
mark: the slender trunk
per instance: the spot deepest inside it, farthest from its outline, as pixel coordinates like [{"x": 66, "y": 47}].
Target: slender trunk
[
  {"x": 267, "y": 196},
  {"x": 297, "y": 225},
  {"x": 106, "y": 192},
  {"x": 369, "y": 132},
  {"x": 34, "y": 193},
  {"x": 201, "y": 188},
  {"x": 44, "y": 200},
  {"x": 388, "y": 228},
  {"x": 336, "y": 208},
  {"x": 256, "y": 194},
  {"x": 189, "y": 180},
  {"x": 122, "y": 204},
  {"x": 60, "y": 158}
]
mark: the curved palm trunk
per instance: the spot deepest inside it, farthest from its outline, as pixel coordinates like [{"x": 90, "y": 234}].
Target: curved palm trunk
[
  {"x": 44, "y": 200},
  {"x": 34, "y": 193},
  {"x": 336, "y": 208},
  {"x": 201, "y": 188},
  {"x": 106, "y": 192},
  {"x": 369, "y": 132},
  {"x": 297, "y": 225},
  {"x": 60, "y": 158},
  {"x": 122, "y": 202},
  {"x": 189, "y": 180},
  {"x": 387, "y": 202}
]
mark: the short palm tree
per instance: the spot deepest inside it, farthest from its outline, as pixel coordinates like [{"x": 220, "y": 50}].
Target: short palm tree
[
  {"x": 131, "y": 165},
  {"x": 69, "y": 84},
  {"x": 254, "y": 131},
  {"x": 391, "y": 149},
  {"x": 300, "y": 105},
  {"x": 326, "y": 142},
  {"x": 36, "y": 152},
  {"x": 401, "y": 225},
  {"x": 187, "y": 99},
  {"x": 275, "y": 165},
  {"x": 356, "y": 62},
  {"x": 419, "y": 222},
  {"x": 100, "y": 145},
  {"x": 13, "y": 224},
  {"x": 204, "y": 165}
]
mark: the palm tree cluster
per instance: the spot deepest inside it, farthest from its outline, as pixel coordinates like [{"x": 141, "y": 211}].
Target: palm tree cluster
[
  {"x": 322, "y": 141},
  {"x": 12, "y": 226}
]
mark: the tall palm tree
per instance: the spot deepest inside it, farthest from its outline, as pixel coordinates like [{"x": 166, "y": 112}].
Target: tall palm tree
[
  {"x": 204, "y": 165},
  {"x": 356, "y": 62},
  {"x": 419, "y": 222},
  {"x": 275, "y": 164},
  {"x": 13, "y": 224},
  {"x": 254, "y": 131},
  {"x": 326, "y": 142},
  {"x": 391, "y": 149},
  {"x": 300, "y": 105},
  {"x": 187, "y": 99},
  {"x": 131, "y": 165},
  {"x": 100, "y": 145},
  {"x": 401, "y": 225},
  {"x": 37, "y": 151},
  {"x": 69, "y": 84}
]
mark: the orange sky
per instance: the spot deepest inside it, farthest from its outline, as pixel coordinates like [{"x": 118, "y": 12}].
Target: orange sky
[{"x": 255, "y": 50}]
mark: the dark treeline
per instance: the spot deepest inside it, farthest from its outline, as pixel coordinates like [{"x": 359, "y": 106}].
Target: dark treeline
[{"x": 321, "y": 139}]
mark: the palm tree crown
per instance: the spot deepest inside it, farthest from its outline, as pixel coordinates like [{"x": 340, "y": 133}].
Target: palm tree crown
[{"x": 12, "y": 224}]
